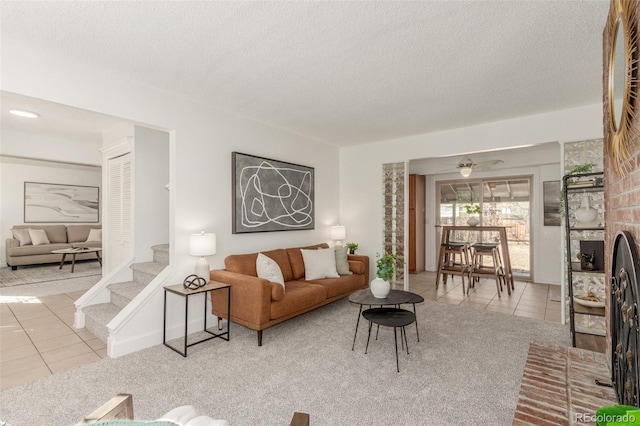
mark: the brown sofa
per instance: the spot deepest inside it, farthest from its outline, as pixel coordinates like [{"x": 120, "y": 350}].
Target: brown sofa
[
  {"x": 59, "y": 236},
  {"x": 258, "y": 304}
]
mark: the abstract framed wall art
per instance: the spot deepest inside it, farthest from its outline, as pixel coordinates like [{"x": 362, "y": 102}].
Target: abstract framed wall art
[
  {"x": 271, "y": 195},
  {"x": 59, "y": 203}
]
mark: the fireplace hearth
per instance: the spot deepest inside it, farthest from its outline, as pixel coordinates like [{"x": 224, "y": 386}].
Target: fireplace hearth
[{"x": 623, "y": 319}]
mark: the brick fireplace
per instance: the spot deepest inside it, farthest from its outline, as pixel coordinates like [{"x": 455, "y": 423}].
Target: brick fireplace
[{"x": 558, "y": 386}]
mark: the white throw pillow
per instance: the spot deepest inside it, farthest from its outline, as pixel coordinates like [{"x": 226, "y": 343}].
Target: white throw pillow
[
  {"x": 38, "y": 236},
  {"x": 94, "y": 235},
  {"x": 22, "y": 235},
  {"x": 319, "y": 264},
  {"x": 269, "y": 270}
]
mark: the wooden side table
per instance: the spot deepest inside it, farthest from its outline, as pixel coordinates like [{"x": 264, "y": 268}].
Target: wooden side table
[{"x": 185, "y": 293}]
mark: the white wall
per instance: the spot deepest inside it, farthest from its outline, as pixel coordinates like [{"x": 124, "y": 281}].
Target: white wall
[
  {"x": 201, "y": 142},
  {"x": 151, "y": 209},
  {"x": 15, "y": 172},
  {"x": 361, "y": 167},
  {"x": 49, "y": 148}
]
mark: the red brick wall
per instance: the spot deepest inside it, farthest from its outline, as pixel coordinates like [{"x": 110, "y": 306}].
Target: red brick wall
[{"x": 622, "y": 194}]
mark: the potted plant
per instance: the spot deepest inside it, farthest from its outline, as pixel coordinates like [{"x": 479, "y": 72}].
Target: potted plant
[
  {"x": 380, "y": 286},
  {"x": 475, "y": 211},
  {"x": 580, "y": 168},
  {"x": 352, "y": 247}
]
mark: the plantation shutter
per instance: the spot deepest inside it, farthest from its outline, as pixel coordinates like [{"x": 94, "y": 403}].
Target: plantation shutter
[{"x": 120, "y": 211}]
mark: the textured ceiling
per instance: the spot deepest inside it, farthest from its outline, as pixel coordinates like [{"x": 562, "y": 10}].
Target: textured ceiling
[{"x": 340, "y": 72}]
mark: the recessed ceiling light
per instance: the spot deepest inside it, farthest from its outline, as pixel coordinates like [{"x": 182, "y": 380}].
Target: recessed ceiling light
[{"x": 24, "y": 113}]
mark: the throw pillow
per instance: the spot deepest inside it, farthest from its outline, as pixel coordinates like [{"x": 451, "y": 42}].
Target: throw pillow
[
  {"x": 22, "y": 235},
  {"x": 342, "y": 262},
  {"x": 319, "y": 264},
  {"x": 269, "y": 270},
  {"x": 38, "y": 236},
  {"x": 94, "y": 235}
]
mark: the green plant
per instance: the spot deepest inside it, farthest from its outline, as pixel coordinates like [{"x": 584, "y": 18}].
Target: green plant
[
  {"x": 580, "y": 168},
  {"x": 386, "y": 265},
  {"x": 352, "y": 247},
  {"x": 473, "y": 209}
]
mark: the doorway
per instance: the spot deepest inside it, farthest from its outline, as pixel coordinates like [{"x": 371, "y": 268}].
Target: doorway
[{"x": 504, "y": 201}]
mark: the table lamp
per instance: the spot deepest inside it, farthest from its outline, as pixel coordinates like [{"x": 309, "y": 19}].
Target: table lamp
[
  {"x": 338, "y": 233},
  {"x": 202, "y": 245}
]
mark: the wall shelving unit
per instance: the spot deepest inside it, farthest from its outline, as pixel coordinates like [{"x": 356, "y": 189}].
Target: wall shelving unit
[{"x": 585, "y": 271}]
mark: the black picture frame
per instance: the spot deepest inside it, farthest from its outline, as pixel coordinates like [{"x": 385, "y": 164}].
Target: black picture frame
[
  {"x": 271, "y": 195},
  {"x": 551, "y": 202},
  {"x": 61, "y": 203}
]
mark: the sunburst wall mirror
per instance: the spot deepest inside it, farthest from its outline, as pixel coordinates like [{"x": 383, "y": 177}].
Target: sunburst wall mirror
[{"x": 622, "y": 82}]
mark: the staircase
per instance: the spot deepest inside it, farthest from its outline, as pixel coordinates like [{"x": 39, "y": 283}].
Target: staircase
[{"x": 98, "y": 316}]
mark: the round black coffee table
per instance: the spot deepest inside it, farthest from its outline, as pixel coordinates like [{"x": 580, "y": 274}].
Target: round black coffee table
[
  {"x": 390, "y": 317},
  {"x": 394, "y": 298}
]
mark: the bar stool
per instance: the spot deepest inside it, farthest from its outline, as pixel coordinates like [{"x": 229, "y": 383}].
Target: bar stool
[
  {"x": 479, "y": 269},
  {"x": 447, "y": 264}
]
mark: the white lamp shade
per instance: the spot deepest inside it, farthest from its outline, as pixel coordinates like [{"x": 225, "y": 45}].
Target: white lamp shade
[
  {"x": 338, "y": 232},
  {"x": 202, "y": 244},
  {"x": 465, "y": 171}
]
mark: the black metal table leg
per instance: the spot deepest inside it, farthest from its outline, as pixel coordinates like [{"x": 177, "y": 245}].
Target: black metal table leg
[
  {"x": 356, "y": 332},
  {"x": 395, "y": 337},
  {"x": 368, "y": 337},
  {"x": 414, "y": 311},
  {"x": 186, "y": 323}
]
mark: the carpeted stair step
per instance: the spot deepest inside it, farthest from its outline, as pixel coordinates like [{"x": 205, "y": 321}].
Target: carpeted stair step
[
  {"x": 123, "y": 293},
  {"x": 161, "y": 253},
  {"x": 144, "y": 272},
  {"x": 97, "y": 317}
]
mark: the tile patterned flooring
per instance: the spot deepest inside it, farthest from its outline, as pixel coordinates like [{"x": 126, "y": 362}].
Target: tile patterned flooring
[
  {"x": 37, "y": 337},
  {"x": 527, "y": 300}
]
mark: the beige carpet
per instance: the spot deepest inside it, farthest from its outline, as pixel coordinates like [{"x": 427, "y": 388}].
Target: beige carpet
[
  {"x": 32, "y": 274},
  {"x": 465, "y": 370}
]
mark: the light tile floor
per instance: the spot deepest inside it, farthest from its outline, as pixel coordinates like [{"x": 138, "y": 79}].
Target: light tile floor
[
  {"x": 37, "y": 338},
  {"x": 527, "y": 300}
]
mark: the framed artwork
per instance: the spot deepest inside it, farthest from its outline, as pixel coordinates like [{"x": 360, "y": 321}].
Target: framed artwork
[
  {"x": 551, "y": 200},
  {"x": 53, "y": 203},
  {"x": 271, "y": 195}
]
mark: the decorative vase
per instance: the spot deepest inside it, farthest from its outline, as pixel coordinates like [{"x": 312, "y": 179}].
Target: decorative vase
[
  {"x": 473, "y": 221},
  {"x": 586, "y": 213},
  {"x": 352, "y": 252},
  {"x": 380, "y": 288}
]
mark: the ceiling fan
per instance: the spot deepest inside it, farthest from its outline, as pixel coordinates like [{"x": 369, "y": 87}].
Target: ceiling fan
[{"x": 467, "y": 165}]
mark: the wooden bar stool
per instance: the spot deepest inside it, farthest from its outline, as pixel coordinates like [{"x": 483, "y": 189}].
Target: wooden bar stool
[
  {"x": 447, "y": 264},
  {"x": 479, "y": 269}
]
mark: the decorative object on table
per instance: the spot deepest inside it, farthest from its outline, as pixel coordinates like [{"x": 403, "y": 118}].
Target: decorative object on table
[
  {"x": 380, "y": 286},
  {"x": 193, "y": 282},
  {"x": 338, "y": 233},
  {"x": 352, "y": 247},
  {"x": 587, "y": 261},
  {"x": 586, "y": 213},
  {"x": 473, "y": 209},
  {"x": 551, "y": 202},
  {"x": 202, "y": 245},
  {"x": 592, "y": 255},
  {"x": 55, "y": 203},
  {"x": 271, "y": 195},
  {"x": 620, "y": 103}
]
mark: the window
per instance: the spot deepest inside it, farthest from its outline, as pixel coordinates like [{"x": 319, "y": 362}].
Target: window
[{"x": 503, "y": 201}]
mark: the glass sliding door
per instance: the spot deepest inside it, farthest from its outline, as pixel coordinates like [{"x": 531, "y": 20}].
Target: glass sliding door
[{"x": 504, "y": 202}]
